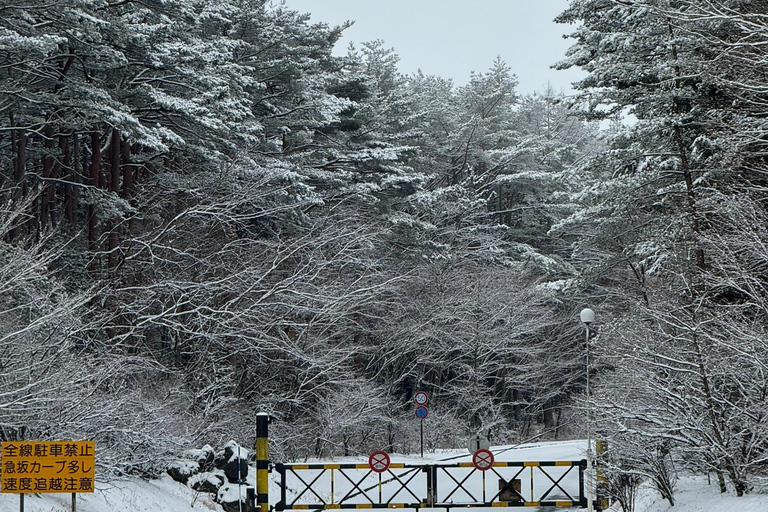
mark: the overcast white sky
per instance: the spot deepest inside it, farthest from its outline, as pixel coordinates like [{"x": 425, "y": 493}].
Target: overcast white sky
[{"x": 450, "y": 38}]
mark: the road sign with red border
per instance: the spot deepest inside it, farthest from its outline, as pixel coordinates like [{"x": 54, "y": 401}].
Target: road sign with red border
[
  {"x": 379, "y": 462},
  {"x": 422, "y": 412},
  {"x": 482, "y": 460},
  {"x": 420, "y": 398}
]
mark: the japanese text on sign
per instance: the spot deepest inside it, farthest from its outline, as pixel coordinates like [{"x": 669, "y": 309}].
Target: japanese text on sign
[{"x": 47, "y": 466}]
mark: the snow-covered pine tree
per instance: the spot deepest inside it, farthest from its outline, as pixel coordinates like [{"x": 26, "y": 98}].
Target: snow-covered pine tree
[{"x": 656, "y": 197}]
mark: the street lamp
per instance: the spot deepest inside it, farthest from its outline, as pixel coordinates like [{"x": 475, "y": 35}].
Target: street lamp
[{"x": 587, "y": 317}]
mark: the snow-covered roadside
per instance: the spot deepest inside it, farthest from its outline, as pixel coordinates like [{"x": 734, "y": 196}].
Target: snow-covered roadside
[
  {"x": 129, "y": 495},
  {"x": 695, "y": 495}
]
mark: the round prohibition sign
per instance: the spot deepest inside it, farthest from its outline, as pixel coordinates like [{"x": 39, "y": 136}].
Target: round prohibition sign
[
  {"x": 379, "y": 462},
  {"x": 421, "y": 398},
  {"x": 482, "y": 459},
  {"x": 422, "y": 412}
]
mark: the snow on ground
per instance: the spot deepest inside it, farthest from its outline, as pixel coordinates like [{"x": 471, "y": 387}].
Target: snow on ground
[
  {"x": 165, "y": 495},
  {"x": 695, "y": 495},
  {"x": 130, "y": 495}
]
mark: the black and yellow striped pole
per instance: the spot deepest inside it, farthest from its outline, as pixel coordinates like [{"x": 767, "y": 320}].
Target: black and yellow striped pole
[
  {"x": 601, "y": 446},
  {"x": 262, "y": 462}
]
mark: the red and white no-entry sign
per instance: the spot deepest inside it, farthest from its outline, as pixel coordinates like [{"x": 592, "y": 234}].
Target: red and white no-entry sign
[
  {"x": 379, "y": 462},
  {"x": 482, "y": 459}
]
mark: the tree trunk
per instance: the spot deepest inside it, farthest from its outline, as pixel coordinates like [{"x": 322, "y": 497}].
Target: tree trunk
[
  {"x": 721, "y": 481},
  {"x": 67, "y": 176},
  {"x": 19, "y": 178},
  {"x": 93, "y": 234},
  {"x": 46, "y": 185},
  {"x": 114, "y": 186},
  {"x": 127, "y": 170},
  {"x": 684, "y": 163},
  {"x": 717, "y": 429},
  {"x": 74, "y": 191},
  {"x": 690, "y": 196},
  {"x": 114, "y": 161}
]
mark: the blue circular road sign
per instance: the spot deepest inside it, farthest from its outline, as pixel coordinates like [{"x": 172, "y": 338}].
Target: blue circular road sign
[{"x": 422, "y": 412}]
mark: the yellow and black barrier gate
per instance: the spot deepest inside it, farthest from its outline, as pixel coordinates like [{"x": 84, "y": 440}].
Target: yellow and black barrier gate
[{"x": 437, "y": 485}]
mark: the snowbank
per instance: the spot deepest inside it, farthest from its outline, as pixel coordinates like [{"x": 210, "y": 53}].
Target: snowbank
[
  {"x": 130, "y": 495},
  {"x": 695, "y": 495}
]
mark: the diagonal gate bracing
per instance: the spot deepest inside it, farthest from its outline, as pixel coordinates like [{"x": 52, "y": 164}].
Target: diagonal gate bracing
[{"x": 505, "y": 484}]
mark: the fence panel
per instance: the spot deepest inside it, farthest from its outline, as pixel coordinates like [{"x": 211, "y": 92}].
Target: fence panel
[{"x": 505, "y": 484}]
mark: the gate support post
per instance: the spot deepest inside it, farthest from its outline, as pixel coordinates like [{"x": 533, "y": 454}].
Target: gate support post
[
  {"x": 262, "y": 462},
  {"x": 601, "y": 447},
  {"x": 583, "y": 467},
  {"x": 431, "y": 485}
]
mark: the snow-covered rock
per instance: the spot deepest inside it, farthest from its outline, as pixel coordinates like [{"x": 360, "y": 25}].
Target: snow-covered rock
[
  {"x": 207, "y": 481},
  {"x": 204, "y": 457},
  {"x": 230, "y": 496},
  {"x": 234, "y": 461},
  {"x": 182, "y": 470}
]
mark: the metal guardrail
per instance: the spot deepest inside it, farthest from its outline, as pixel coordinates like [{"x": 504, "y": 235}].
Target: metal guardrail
[{"x": 356, "y": 486}]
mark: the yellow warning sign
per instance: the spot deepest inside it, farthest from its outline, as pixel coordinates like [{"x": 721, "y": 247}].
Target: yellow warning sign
[{"x": 47, "y": 466}]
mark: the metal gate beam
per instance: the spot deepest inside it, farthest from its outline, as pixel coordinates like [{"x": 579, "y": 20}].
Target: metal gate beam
[{"x": 455, "y": 484}]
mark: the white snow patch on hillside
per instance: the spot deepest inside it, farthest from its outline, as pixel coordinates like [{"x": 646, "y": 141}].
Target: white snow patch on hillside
[
  {"x": 129, "y": 495},
  {"x": 694, "y": 494}
]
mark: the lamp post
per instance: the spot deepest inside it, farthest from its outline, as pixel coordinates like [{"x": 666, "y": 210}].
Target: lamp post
[{"x": 587, "y": 317}]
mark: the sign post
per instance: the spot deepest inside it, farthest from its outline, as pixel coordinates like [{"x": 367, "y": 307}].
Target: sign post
[
  {"x": 262, "y": 462},
  {"x": 47, "y": 467},
  {"x": 421, "y": 398},
  {"x": 478, "y": 442}
]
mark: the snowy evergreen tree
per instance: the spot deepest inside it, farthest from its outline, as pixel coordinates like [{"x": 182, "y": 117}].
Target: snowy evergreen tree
[{"x": 666, "y": 187}]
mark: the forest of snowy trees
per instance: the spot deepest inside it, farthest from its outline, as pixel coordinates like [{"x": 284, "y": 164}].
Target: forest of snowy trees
[{"x": 204, "y": 214}]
